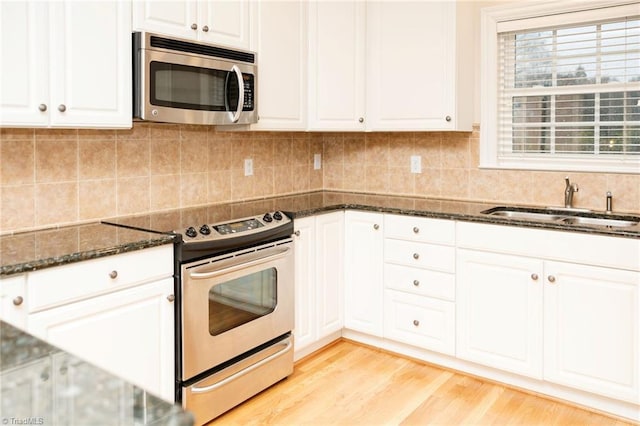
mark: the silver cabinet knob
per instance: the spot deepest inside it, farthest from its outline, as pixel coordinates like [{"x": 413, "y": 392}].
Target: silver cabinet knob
[
  {"x": 416, "y": 256},
  {"x": 171, "y": 298},
  {"x": 416, "y": 229},
  {"x": 205, "y": 29},
  {"x": 62, "y": 108},
  {"x": 42, "y": 107},
  {"x": 194, "y": 26},
  {"x": 416, "y": 283},
  {"x": 534, "y": 277},
  {"x": 448, "y": 118},
  {"x": 297, "y": 233},
  {"x": 18, "y": 300},
  {"x": 416, "y": 323},
  {"x": 113, "y": 275},
  {"x": 551, "y": 279},
  {"x": 376, "y": 226},
  {"x": 361, "y": 120}
]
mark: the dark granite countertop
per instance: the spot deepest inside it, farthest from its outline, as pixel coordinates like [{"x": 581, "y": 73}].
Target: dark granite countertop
[
  {"x": 23, "y": 252},
  {"x": 29, "y": 251},
  {"x": 42, "y": 384}
]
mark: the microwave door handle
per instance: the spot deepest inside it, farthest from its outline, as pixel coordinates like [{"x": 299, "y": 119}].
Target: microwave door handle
[
  {"x": 208, "y": 273},
  {"x": 235, "y": 117}
]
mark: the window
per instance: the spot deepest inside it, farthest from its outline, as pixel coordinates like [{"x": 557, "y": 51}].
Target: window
[{"x": 561, "y": 89}]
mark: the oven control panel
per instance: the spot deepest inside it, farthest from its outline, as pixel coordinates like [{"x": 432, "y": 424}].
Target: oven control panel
[{"x": 244, "y": 226}]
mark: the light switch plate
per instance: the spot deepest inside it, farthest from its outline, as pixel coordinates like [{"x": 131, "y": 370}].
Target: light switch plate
[
  {"x": 248, "y": 167},
  {"x": 317, "y": 161},
  {"x": 416, "y": 164}
]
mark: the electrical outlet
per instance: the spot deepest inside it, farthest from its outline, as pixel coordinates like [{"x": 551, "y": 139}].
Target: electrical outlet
[
  {"x": 248, "y": 167},
  {"x": 317, "y": 161},
  {"x": 416, "y": 164}
]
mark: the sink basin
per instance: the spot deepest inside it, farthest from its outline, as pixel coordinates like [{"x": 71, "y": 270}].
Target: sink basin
[
  {"x": 569, "y": 218},
  {"x": 523, "y": 214},
  {"x": 600, "y": 221}
]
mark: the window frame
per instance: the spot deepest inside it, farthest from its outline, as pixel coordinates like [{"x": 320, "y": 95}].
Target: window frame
[{"x": 531, "y": 14}]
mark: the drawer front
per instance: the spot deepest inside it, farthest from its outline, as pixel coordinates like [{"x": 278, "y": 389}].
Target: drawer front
[
  {"x": 420, "y": 255},
  {"x": 423, "y": 282},
  {"x": 420, "y": 321},
  {"x": 421, "y": 229},
  {"x": 63, "y": 284}
]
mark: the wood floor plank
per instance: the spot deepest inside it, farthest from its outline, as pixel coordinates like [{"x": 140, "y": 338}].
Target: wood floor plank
[{"x": 351, "y": 384}]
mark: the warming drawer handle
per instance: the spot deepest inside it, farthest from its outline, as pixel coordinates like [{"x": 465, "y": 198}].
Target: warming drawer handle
[
  {"x": 241, "y": 373},
  {"x": 268, "y": 257},
  {"x": 236, "y": 116}
]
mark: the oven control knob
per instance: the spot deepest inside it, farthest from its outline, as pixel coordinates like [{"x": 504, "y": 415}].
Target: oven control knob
[
  {"x": 267, "y": 217},
  {"x": 191, "y": 232},
  {"x": 205, "y": 230},
  {"x": 277, "y": 216}
]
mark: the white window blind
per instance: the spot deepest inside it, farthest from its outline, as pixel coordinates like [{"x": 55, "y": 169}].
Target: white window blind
[{"x": 570, "y": 91}]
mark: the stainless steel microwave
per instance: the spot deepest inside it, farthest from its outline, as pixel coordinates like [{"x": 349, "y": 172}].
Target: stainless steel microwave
[{"x": 179, "y": 81}]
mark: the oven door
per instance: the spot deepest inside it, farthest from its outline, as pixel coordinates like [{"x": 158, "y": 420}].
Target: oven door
[{"x": 233, "y": 303}]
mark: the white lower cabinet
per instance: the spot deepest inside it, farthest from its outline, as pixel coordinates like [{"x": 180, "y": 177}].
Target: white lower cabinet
[
  {"x": 319, "y": 254},
  {"x": 13, "y": 310},
  {"x": 499, "y": 304},
  {"x": 592, "y": 329},
  {"x": 128, "y": 333},
  {"x": 364, "y": 272}
]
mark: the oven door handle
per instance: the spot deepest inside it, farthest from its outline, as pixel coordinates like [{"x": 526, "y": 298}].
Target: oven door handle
[
  {"x": 247, "y": 370},
  {"x": 268, "y": 257}
]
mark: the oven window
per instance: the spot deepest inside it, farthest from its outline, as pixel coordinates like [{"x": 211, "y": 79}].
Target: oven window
[{"x": 241, "y": 300}]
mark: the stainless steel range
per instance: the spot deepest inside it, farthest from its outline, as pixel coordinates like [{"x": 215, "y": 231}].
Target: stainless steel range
[{"x": 236, "y": 311}]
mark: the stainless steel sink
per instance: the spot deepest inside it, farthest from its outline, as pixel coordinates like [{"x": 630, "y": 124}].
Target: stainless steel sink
[
  {"x": 578, "y": 220},
  {"x": 572, "y": 217}
]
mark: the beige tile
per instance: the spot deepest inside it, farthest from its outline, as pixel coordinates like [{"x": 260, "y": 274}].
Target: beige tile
[
  {"x": 428, "y": 146},
  {"x": 241, "y": 149},
  {"x": 56, "y": 134},
  {"x": 282, "y": 150},
  {"x": 139, "y": 131},
  {"x": 133, "y": 195},
  {"x": 56, "y": 203},
  {"x": 333, "y": 148},
  {"x": 625, "y": 190},
  {"x": 97, "y": 159},
  {"x": 17, "y": 161},
  {"x": 164, "y": 131},
  {"x": 194, "y": 155},
  {"x": 316, "y": 181},
  {"x": 354, "y": 148},
  {"x": 219, "y": 188},
  {"x": 429, "y": 183},
  {"x": 164, "y": 192},
  {"x": 401, "y": 181},
  {"x": 17, "y": 210},
  {"x": 547, "y": 189},
  {"x": 263, "y": 183},
  {"x": 263, "y": 153},
  {"x": 455, "y": 153},
  {"x": 333, "y": 176},
  {"x": 282, "y": 180},
  {"x": 377, "y": 149},
  {"x": 592, "y": 190},
  {"x": 300, "y": 149},
  {"x": 132, "y": 158},
  {"x": 354, "y": 177},
  {"x": 219, "y": 153},
  {"x": 241, "y": 185},
  {"x": 301, "y": 178},
  {"x": 377, "y": 179},
  {"x": 99, "y": 134},
  {"x": 8, "y": 134},
  {"x": 193, "y": 133},
  {"x": 401, "y": 148},
  {"x": 193, "y": 189},
  {"x": 455, "y": 183},
  {"x": 97, "y": 199},
  {"x": 56, "y": 160},
  {"x": 164, "y": 156}
]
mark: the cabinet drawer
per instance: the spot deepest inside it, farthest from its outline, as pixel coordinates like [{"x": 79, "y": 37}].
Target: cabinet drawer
[
  {"x": 12, "y": 300},
  {"x": 421, "y": 255},
  {"x": 420, "y": 321},
  {"x": 55, "y": 286},
  {"x": 418, "y": 281},
  {"x": 422, "y": 229}
]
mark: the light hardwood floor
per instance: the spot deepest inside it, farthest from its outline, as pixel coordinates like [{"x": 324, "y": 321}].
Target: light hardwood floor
[{"x": 350, "y": 384}]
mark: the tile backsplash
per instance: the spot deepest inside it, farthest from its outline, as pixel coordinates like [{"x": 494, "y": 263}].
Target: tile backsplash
[{"x": 55, "y": 177}]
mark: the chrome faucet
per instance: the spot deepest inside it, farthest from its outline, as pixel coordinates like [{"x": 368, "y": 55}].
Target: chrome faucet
[{"x": 569, "y": 189}]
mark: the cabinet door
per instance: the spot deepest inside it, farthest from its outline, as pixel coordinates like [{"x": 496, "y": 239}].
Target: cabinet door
[
  {"x": 336, "y": 65},
  {"x": 411, "y": 70},
  {"x": 592, "y": 329},
  {"x": 224, "y": 22},
  {"x": 13, "y": 301},
  {"x": 499, "y": 308},
  {"x": 305, "y": 297},
  {"x": 363, "y": 272},
  {"x": 282, "y": 61},
  {"x": 128, "y": 333},
  {"x": 24, "y": 64},
  {"x": 91, "y": 64},
  {"x": 329, "y": 272},
  {"x": 173, "y": 18}
]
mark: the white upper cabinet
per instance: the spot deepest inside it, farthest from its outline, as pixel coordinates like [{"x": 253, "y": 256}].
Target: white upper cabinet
[
  {"x": 66, "y": 64},
  {"x": 389, "y": 65},
  {"x": 212, "y": 21},
  {"x": 412, "y": 64},
  {"x": 282, "y": 64},
  {"x": 337, "y": 65}
]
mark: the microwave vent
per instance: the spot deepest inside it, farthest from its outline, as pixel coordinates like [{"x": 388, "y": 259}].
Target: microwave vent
[{"x": 202, "y": 49}]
